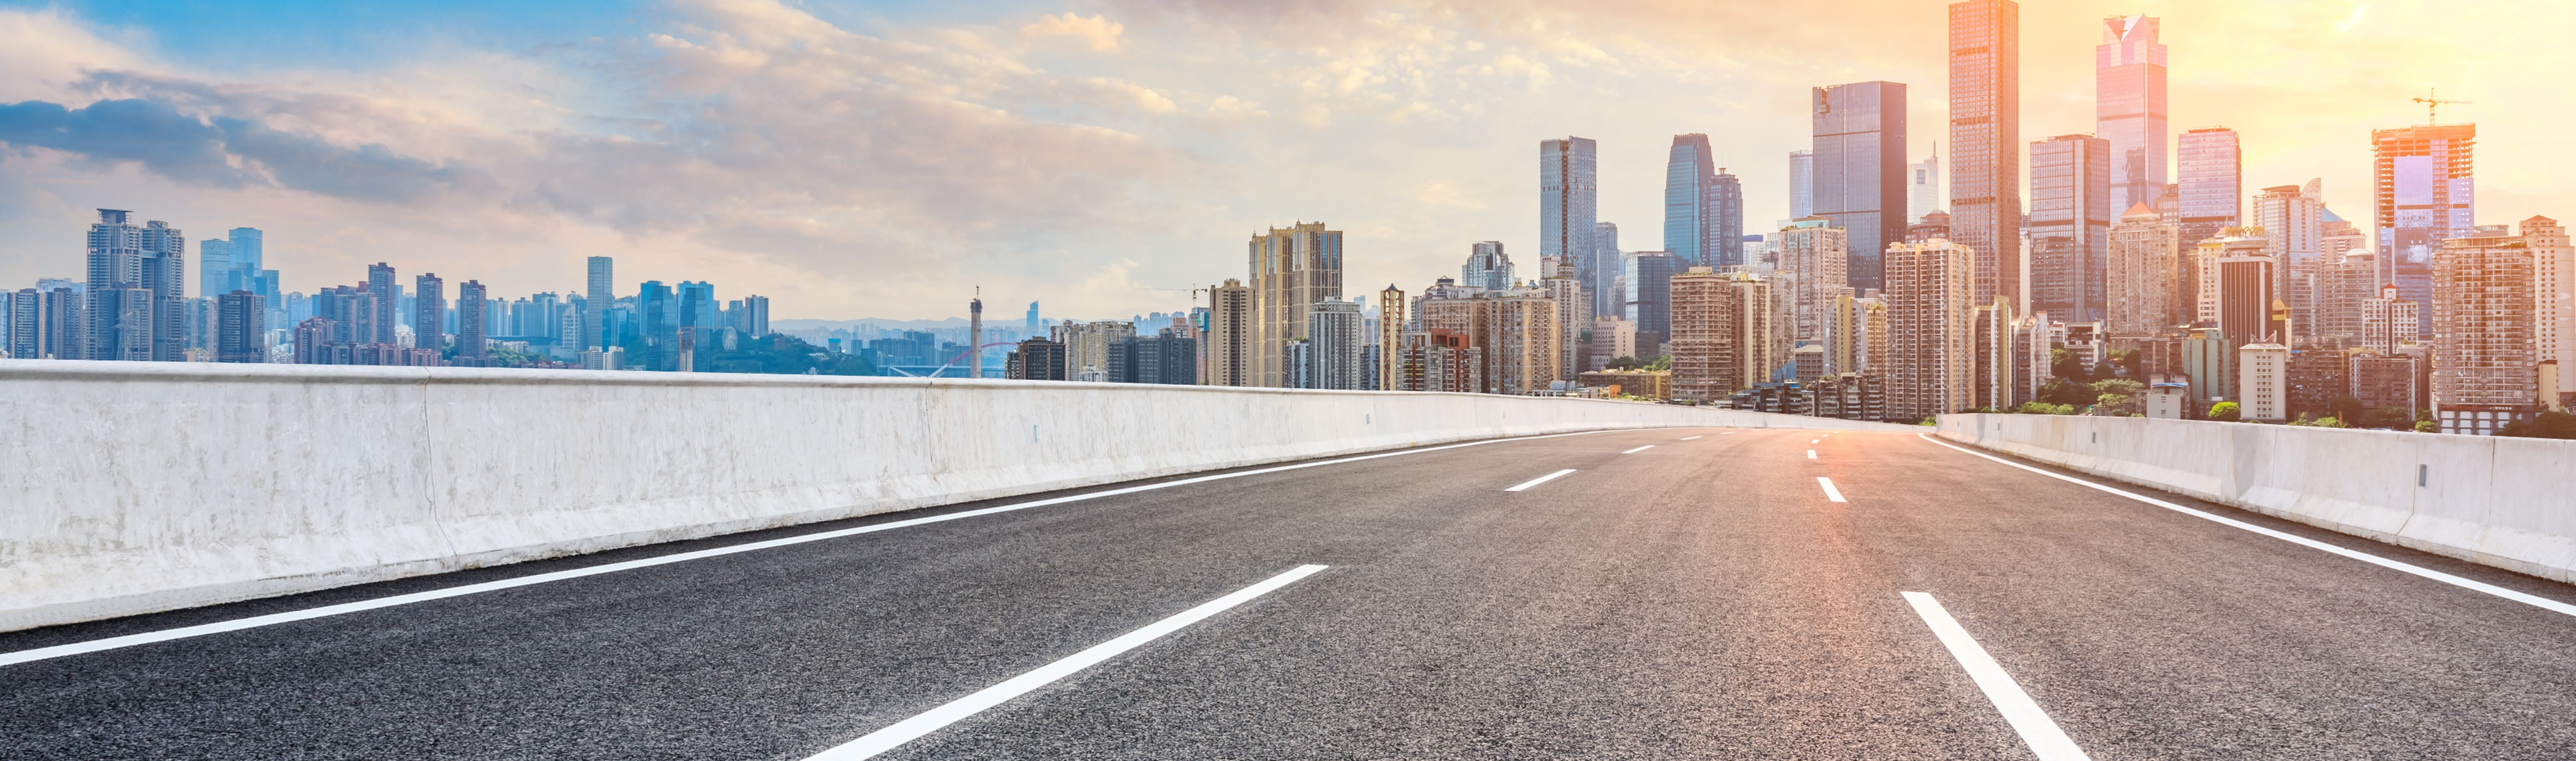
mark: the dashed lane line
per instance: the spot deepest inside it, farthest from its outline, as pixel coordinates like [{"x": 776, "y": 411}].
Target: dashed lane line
[{"x": 2036, "y": 729}]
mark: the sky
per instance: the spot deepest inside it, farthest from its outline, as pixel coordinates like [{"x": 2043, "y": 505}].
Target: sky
[{"x": 1105, "y": 157}]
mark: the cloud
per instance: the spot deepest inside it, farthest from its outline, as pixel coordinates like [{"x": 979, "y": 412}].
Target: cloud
[
  {"x": 222, "y": 152},
  {"x": 1102, "y": 33}
]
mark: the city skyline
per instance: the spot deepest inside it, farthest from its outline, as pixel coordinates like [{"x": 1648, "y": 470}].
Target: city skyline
[{"x": 1456, "y": 193}]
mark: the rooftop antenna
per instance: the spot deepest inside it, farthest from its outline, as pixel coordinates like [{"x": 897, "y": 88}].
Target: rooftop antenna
[{"x": 2431, "y": 102}]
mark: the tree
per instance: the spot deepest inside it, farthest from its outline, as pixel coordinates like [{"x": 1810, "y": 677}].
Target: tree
[
  {"x": 784, "y": 354},
  {"x": 2427, "y": 426},
  {"x": 2044, "y": 408},
  {"x": 2546, "y": 425},
  {"x": 2064, "y": 364},
  {"x": 2226, "y": 412},
  {"x": 2125, "y": 363},
  {"x": 1662, "y": 362},
  {"x": 2346, "y": 408},
  {"x": 2112, "y": 405},
  {"x": 2063, "y": 391},
  {"x": 2391, "y": 418},
  {"x": 1624, "y": 363}
]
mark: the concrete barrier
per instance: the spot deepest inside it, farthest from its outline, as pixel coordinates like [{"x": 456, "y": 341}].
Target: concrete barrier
[
  {"x": 2508, "y": 503},
  {"x": 138, "y": 487}
]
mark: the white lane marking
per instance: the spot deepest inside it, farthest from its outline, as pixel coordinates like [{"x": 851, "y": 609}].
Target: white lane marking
[
  {"x": 1811, "y": 454},
  {"x": 145, "y": 638},
  {"x": 932, "y": 720},
  {"x": 1830, "y": 492},
  {"x": 1815, "y": 441},
  {"x": 1728, "y": 433},
  {"x": 2463, "y": 583},
  {"x": 1687, "y": 438},
  {"x": 2041, "y": 734},
  {"x": 1639, "y": 449},
  {"x": 1541, "y": 480}
]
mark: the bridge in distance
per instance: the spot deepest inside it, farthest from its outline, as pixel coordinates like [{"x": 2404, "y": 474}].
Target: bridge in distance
[{"x": 1642, "y": 594}]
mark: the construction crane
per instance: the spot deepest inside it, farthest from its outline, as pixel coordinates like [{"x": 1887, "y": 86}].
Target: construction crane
[{"x": 2431, "y": 102}]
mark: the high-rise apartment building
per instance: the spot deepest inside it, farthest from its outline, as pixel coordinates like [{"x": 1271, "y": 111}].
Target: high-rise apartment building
[
  {"x": 470, "y": 316},
  {"x": 1985, "y": 142},
  {"x": 1859, "y": 133},
  {"x": 2553, "y": 264},
  {"x": 1761, "y": 339},
  {"x": 1609, "y": 266},
  {"x": 1814, "y": 256},
  {"x": 1726, "y": 207},
  {"x": 215, "y": 273},
  {"x": 2070, "y": 224},
  {"x": 2263, "y": 381},
  {"x": 2139, "y": 293},
  {"x": 2291, "y": 217},
  {"x": 2388, "y": 322},
  {"x": 1487, "y": 267},
  {"x": 1704, "y": 365},
  {"x": 1923, "y": 187},
  {"x": 137, "y": 279},
  {"x": 1573, "y": 318},
  {"x": 380, "y": 279},
  {"x": 2484, "y": 352},
  {"x": 1292, "y": 268},
  {"x": 1036, "y": 359},
  {"x": 2427, "y": 193},
  {"x": 1930, "y": 306},
  {"x": 2211, "y": 193},
  {"x": 1334, "y": 338},
  {"x": 1517, "y": 332},
  {"x": 598, "y": 296},
  {"x": 1569, "y": 205},
  {"x": 49, "y": 323},
  {"x": 2129, "y": 107},
  {"x": 2206, "y": 295},
  {"x": 429, "y": 311},
  {"x": 1390, "y": 337},
  {"x": 1802, "y": 184},
  {"x": 1233, "y": 336}
]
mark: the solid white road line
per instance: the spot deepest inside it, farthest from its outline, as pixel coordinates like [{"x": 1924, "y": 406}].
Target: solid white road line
[
  {"x": 2463, "y": 583},
  {"x": 2042, "y": 735},
  {"x": 1541, "y": 480},
  {"x": 930, "y": 721},
  {"x": 130, "y": 640},
  {"x": 1728, "y": 433},
  {"x": 1639, "y": 449},
  {"x": 1687, "y": 438},
  {"x": 1811, "y": 454},
  {"x": 1830, "y": 492}
]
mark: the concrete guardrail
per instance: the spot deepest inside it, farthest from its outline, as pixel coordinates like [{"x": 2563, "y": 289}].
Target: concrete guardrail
[
  {"x": 2504, "y": 502},
  {"x": 139, "y": 487}
]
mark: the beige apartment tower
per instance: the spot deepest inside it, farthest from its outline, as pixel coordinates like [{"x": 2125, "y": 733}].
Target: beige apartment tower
[
  {"x": 2139, "y": 299},
  {"x": 2553, "y": 263},
  {"x": 1817, "y": 260},
  {"x": 1231, "y": 336},
  {"x": 1704, "y": 362},
  {"x": 1390, "y": 339},
  {"x": 1930, "y": 306},
  {"x": 1292, "y": 269}
]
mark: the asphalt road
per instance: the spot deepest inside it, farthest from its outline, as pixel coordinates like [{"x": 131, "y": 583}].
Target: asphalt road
[{"x": 1703, "y": 598}]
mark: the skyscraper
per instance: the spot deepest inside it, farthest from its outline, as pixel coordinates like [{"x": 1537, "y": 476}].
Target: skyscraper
[
  {"x": 1726, "y": 208},
  {"x": 1815, "y": 256},
  {"x": 1609, "y": 268},
  {"x": 1334, "y": 336},
  {"x": 2129, "y": 107},
  {"x": 1687, "y": 175},
  {"x": 470, "y": 314},
  {"x": 1234, "y": 336},
  {"x": 241, "y": 330},
  {"x": 380, "y": 280},
  {"x": 1923, "y": 186},
  {"x": 2553, "y": 263},
  {"x": 1860, "y": 168},
  {"x": 1930, "y": 364},
  {"x": 1487, "y": 267},
  {"x": 2483, "y": 351},
  {"x": 2139, "y": 293},
  {"x": 429, "y": 311},
  {"x": 137, "y": 281},
  {"x": 215, "y": 273},
  {"x": 1802, "y": 184},
  {"x": 1703, "y": 322},
  {"x": 2070, "y": 225},
  {"x": 1985, "y": 142},
  {"x": 1390, "y": 338},
  {"x": 1569, "y": 189},
  {"x": 2211, "y": 191},
  {"x": 2427, "y": 193},
  {"x": 2291, "y": 219},
  {"x": 1292, "y": 268},
  {"x": 1648, "y": 301},
  {"x": 598, "y": 296}
]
